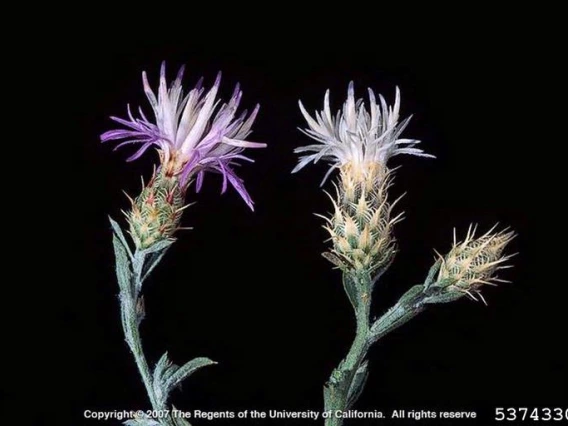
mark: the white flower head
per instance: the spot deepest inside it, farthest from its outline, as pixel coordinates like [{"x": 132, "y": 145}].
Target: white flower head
[{"x": 356, "y": 135}]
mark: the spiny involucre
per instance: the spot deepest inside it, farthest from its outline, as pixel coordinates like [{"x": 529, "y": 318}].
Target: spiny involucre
[
  {"x": 156, "y": 213},
  {"x": 362, "y": 222},
  {"x": 474, "y": 262},
  {"x": 359, "y": 142}
]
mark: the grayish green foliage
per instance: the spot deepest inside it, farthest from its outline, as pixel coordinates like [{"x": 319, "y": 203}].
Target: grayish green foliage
[
  {"x": 348, "y": 380},
  {"x": 358, "y": 383},
  {"x": 167, "y": 375},
  {"x": 131, "y": 271}
]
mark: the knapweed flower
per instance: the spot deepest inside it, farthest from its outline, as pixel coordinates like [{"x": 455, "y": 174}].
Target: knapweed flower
[
  {"x": 356, "y": 135},
  {"x": 472, "y": 263},
  {"x": 193, "y": 133},
  {"x": 359, "y": 142}
]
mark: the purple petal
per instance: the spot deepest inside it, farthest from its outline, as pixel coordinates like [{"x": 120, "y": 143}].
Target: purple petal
[
  {"x": 199, "y": 182},
  {"x": 139, "y": 153},
  {"x": 239, "y": 157},
  {"x": 142, "y": 115},
  {"x": 179, "y": 76},
  {"x": 190, "y": 166},
  {"x": 115, "y": 134},
  {"x": 238, "y": 184},
  {"x": 129, "y": 142},
  {"x": 217, "y": 80},
  {"x": 199, "y": 84},
  {"x": 224, "y": 173},
  {"x": 236, "y": 91},
  {"x": 136, "y": 125},
  {"x": 244, "y": 130}
]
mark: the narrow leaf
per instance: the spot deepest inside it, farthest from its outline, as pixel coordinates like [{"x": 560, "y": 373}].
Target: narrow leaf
[
  {"x": 444, "y": 298},
  {"x": 162, "y": 371},
  {"x": 118, "y": 232},
  {"x": 123, "y": 271},
  {"x": 431, "y": 273},
  {"x": 351, "y": 290},
  {"x": 162, "y": 366},
  {"x": 412, "y": 296},
  {"x": 153, "y": 260},
  {"x": 358, "y": 383},
  {"x": 159, "y": 246},
  {"x": 185, "y": 371}
]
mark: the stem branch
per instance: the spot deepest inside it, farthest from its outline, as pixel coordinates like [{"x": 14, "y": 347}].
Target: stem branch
[{"x": 348, "y": 379}]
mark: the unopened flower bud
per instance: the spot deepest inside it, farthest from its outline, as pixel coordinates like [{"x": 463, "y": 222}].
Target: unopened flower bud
[{"x": 473, "y": 263}]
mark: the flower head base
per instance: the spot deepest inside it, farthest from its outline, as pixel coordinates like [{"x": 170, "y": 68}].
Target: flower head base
[
  {"x": 156, "y": 212},
  {"x": 192, "y": 133},
  {"x": 356, "y": 135},
  {"x": 362, "y": 223},
  {"x": 472, "y": 263}
]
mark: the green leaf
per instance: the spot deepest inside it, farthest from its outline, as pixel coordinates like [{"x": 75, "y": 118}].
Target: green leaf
[
  {"x": 167, "y": 375},
  {"x": 162, "y": 368},
  {"x": 154, "y": 257},
  {"x": 351, "y": 290},
  {"x": 444, "y": 297},
  {"x": 431, "y": 273},
  {"x": 123, "y": 271},
  {"x": 118, "y": 232},
  {"x": 185, "y": 371},
  {"x": 159, "y": 246},
  {"x": 144, "y": 261},
  {"x": 162, "y": 371},
  {"x": 357, "y": 384},
  {"x": 411, "y": 297}
]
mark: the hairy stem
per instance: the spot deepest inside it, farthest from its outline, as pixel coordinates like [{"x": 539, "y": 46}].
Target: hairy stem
[
  {"x": 409, "y": 305},
  {"x": 131, "y": 271},
  {"x": 341, "y": 390},
  {"x": 132, "y": 333},
  {"x": 348, "y": 379}
]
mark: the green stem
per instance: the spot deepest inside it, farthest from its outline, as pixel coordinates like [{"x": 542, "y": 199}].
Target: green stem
[
  {"x": 131, "y": 271},
  {"x": 341, "y": 390},
  {"x": 409, "y": 305},
  {"x": 348, "y": 379},
  {"x": 132, "y": 333}
]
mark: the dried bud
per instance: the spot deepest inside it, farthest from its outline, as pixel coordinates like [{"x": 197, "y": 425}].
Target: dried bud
[
  {"x": 361, "y": 225},
  {"x": 473, "y": 263},
  {"x": 156, "y": 212}
]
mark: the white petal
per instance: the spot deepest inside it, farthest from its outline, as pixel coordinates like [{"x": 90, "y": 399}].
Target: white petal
[
  {"x": 311, "y": 122},
  {"x": 243, "y": 144},
  {"x": 201, "y": 122},
  {"x": 150, "y": 94}
]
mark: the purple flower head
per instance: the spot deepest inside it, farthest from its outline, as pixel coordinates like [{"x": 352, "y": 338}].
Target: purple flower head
[{"x": 192, "y": 133}]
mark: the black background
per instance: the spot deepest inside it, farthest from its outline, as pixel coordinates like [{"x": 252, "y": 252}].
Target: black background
[{"x": 251, "y": 290}]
